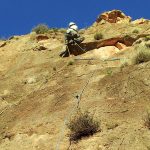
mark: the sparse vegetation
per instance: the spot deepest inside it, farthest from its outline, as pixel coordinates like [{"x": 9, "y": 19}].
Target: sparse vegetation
[
  {"x": 40, "y": 29},
  {"x": 147, "y": 120},
  {"x": 98, "y": 36},
  {"x": 147, "y": 38},
  {"x": 141, "y": 57},
  {"x": 147, "y": 45},
  {"x": 138, "y": 41},
  {"x": 81, "y": 125},
  {"x": 54, "y": 69},
  {"x": 136, "y": 31},
  {"x": 128, "y": 37},
  {"x": 109, "y": 71},
  {"x": 70, "y": 63}
]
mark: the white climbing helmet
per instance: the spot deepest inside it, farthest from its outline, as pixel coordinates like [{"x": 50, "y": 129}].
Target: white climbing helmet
[{"x": 71, "y": 24}]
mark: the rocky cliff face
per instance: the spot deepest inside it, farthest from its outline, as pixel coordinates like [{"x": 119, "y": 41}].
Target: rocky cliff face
[{"x": 38, "y": 89}]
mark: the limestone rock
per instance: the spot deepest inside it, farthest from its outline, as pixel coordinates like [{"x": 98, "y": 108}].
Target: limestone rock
[
  {"x": 113, "y": 16},
  {"x": 30, "y": 80},
  {"x": 102, "y": 53},
  {"x": 140, "y": 21},
  {"x": 120, "y": 45}
]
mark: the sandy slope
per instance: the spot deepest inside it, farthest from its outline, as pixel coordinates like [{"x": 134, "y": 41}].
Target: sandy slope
[{"x": 38, "y": 91}]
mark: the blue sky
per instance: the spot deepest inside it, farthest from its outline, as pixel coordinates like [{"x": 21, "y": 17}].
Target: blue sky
[{"x": 20, "y": 16}]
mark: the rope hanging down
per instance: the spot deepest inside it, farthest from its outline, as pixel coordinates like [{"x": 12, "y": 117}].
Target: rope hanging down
[{"x": 71, "y": 112}]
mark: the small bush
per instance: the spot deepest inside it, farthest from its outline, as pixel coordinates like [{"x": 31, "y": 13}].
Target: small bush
[
  {"x": 41, "y": 29},
  {"x": 147, "y": 120},
  {"x": 136, "y": 31},
  {"x": 109, "y": 72},
  {"x": 98, "y": 36},
  {"x": 147, "y": 38},
  {"x": 54, "y": 69},
  {"x": 82, "y": 125},
  {"x": 147, "y": 45},
  {"x": 128, "y": 37},
  {"x": 70, "y": 63},
  {"x": 138, "y": 41},
  {"x": 141, "y": 57}
]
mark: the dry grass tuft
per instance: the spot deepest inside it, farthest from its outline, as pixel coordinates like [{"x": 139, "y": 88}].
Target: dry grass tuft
[
  {"x": 98, "y": 36},
  {"x": 82, "y": 125},
  {"x": 141, "y": 57},
  {"x": 147, "y": 120},
  {"x": 41, "y": 29}
]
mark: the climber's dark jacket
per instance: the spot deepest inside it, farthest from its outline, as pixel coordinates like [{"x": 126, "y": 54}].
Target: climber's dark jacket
[{"x": 72, "y": 36}]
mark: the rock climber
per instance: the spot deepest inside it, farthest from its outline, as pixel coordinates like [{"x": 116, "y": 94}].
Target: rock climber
[{"x": 72, "y": 37}]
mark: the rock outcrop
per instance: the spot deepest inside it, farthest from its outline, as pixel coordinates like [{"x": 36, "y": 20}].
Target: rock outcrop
[
  {"x": 118, "y": 42},
  {"x": 114, "y": 16},
  {"x": 140, "y": 21}
]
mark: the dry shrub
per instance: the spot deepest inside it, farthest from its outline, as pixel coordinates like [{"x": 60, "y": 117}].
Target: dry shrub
[
  {"x": 70, "y": 63},
  {"x": 147, "y": 45},
  {"x": 136, "y": 31},
  {"x": 147, "y": 120},
  {"x": 98, "y": 36},
  {"x": 109, "y": 71},
  {"x": 82, "y": 125},
  {"x": 41, "y": 29},
  {"x": 147, "y": 38},
  {"x": 141, "y": 57},
  {"x": 54, "y": 69}
]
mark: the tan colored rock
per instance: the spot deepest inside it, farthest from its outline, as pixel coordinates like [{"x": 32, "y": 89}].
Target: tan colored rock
[
  {"x": 124, "y": 21},
  {"x": 120, "y": 45},
  {"x": 31, "y": 80},
  {"x": 113, "y": 16},
  {"x": 102, "y": 53},
  {"x": 140, "y": 21},
  {"x": 88, "y": 46}
]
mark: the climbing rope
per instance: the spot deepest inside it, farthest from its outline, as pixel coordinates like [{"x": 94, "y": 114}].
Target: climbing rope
[{"x": 71, "y": 112}]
